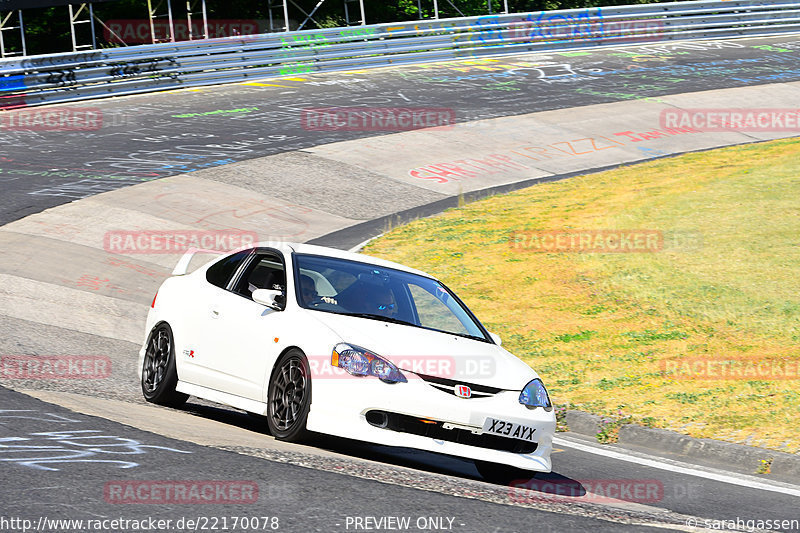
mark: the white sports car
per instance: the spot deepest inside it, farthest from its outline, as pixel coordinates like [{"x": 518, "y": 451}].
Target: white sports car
[{"x": 321, "y": 340}]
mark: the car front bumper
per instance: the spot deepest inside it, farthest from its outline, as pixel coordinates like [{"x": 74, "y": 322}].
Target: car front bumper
[{"x": 340, "y": 407}]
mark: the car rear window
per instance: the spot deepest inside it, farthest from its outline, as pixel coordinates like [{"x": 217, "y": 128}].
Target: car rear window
[{"x": 220, "y": 273}]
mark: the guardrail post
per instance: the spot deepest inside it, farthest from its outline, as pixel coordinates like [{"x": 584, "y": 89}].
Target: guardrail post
[
  {"x": 189, "y": 12},
  {"x": 22, "y": 34},
  {"x": 363, "y": 20},
  {"x": 4, "y": 28},
  {"x": 151, "y": 13},
  {"x": 171, "y": 25},
  {"x": 74, "y": 21},
  {"x": 273, "y": 5}
]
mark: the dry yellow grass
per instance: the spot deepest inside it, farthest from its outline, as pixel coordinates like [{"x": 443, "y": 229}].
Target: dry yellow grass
[{"x": 600, "y": 327}]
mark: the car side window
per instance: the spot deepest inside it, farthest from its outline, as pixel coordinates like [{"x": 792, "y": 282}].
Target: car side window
[
  {"x": 265, "y": 271},
  {"x": 222, "y": 271}
]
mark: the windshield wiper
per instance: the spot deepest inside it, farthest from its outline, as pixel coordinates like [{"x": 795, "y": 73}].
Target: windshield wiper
[
  {"x": 379, "y": 317},
  {"x": 468, "y": 336},
  {"x": 398, "y": 321}
]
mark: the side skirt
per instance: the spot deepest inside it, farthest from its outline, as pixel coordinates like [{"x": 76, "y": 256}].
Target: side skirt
[{"x": 212, "y": 395}]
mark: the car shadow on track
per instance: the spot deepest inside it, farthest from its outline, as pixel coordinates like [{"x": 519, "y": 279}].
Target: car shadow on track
[{"x": 545, "y": 484}]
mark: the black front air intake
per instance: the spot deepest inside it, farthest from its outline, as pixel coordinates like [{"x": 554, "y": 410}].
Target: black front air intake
[{"x": 435, "y": 430}]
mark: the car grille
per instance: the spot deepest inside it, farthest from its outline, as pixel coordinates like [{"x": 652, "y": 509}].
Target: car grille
[
  {"x": 448, "y": 386},
  {"x": 435, "y": 429}
]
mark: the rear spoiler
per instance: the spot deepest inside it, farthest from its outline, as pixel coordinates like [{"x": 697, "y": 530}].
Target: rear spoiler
[{"x": 183, "y": 263}]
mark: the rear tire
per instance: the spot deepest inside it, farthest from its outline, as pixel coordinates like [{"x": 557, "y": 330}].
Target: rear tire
[
  {"x": 289, "y": 397},
  {"x": 502, "y": 474},
  {"x": 159, "y": 375}
]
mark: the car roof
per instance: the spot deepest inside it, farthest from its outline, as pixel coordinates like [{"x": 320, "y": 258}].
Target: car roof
[{"x": 312, "y": 249}]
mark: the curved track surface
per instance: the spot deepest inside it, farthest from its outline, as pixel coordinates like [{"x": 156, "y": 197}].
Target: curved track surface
[
  {"x": 238, "y": 157},
  {"x": 165, "y": 134}
]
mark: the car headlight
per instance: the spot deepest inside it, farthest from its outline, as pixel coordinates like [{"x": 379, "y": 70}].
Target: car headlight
[
  {"x": 358, "y": 361},
  {"x": 534, "y": 394}
]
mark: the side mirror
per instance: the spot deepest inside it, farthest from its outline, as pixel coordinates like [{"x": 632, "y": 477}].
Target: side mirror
[
  {"x": 496, "y": 338},
  {"x": 271, "y": 298}
]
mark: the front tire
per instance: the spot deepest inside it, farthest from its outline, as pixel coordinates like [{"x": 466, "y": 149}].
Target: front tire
[
  {"x": 159, "y": 375},
  {"x": 289, "y": 397}
]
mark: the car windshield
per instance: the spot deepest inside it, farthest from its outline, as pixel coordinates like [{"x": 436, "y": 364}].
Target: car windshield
[{"x": 359, "y": 289}]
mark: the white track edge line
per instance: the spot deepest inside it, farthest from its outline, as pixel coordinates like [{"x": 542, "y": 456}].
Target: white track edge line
[{"x": 680, "y": 468}]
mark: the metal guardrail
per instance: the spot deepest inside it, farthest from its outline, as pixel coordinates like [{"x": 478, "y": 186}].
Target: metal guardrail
[{"x": 37, "y": 80}]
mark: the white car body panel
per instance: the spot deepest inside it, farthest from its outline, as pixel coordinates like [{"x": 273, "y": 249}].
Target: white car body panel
[
  {"x": 226, "y": 347},
  {"x": 432, "y": 349}
]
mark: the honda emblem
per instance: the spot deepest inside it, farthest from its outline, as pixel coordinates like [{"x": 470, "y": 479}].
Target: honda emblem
[{"x": 462, "y": 391}]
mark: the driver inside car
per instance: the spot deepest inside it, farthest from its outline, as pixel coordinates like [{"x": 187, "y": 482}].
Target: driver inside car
[
  {"x": 308, "y": 290},
  {"x": 385, "y": 304}
]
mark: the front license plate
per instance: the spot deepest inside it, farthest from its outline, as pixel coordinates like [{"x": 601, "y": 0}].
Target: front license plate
[{"x": 508, "y": 429}]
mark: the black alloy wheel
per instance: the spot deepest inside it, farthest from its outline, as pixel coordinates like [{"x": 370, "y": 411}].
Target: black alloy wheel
[
  {"x": 289, "y": 397},
  {"x": 159, "y": 375}
]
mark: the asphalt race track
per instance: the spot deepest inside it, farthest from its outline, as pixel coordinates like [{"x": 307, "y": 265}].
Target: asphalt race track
[
  {"x": 73, "y": 450},
  {"x": 87, "y": 456},
  {"x": 164, "y": 134},
  {"x": 301, "y": 499}
]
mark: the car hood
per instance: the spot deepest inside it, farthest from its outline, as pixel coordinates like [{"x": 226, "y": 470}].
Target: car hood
[{"x": 433, "y": 353}]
